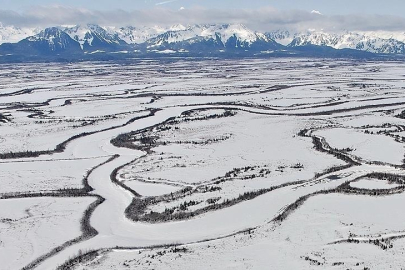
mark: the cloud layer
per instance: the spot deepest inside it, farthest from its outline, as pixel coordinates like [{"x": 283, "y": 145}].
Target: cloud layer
[{"x": 263, "y": 19}]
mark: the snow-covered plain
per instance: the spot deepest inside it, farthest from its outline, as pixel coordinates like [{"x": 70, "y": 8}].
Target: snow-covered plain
[
  {"x": 30, "y": 227},
  {"x": 305, "y": 241},
  {"x": 243, "y": 164}
]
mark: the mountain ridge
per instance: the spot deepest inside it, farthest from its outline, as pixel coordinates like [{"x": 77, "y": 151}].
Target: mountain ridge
[{"x": 76, "y": 41}]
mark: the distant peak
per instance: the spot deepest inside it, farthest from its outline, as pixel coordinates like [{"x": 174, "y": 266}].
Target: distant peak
[{"x": 178, "y": 27}]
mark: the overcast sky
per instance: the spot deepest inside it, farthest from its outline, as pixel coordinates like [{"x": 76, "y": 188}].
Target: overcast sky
[
  {"x": 259, "y": 14},
  {"x": 329, "y": 7}
]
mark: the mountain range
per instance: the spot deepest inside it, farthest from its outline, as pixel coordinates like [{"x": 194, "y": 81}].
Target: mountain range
[{"x": 93, "y": 41}]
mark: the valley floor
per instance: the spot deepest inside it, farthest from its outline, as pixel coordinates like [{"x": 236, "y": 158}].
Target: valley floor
[{"x": 220, "y": 164}]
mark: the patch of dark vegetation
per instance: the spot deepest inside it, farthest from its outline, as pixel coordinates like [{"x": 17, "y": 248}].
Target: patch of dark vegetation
[
  {"x": 384, "y": 126},
  {"x": 401, "y": 115},
  {"x": 57, "y": 193},
  {"x": 304, "y": 133},
  {"x": 213, "y": 200},
  {"x": 25, "y": 154},
  {"x": 67, "y": 102},
  {"x": 4, "y": 118},
  {"x": 78, "y": 122},
  {"x": 391, "y": 178},
  {"x": 203, "y": 142},
  {"x": 291, "y": 208},
  {"x": 384, "y": 242},
  {"x": 362, "y": 85},
  {"x": 22, "y": 92},
  {"x": 297, "y": 166},
  {"x": 347, "y": 189},
  {"x": 154, "y": 99},
  {"x": 137, "y": 210},
  {"x": 113, "y": 178},
  {"x": 188, "y": 116},
  {"x": 206, "y": 189},
  {"x": 87, "y": 230},
  {"x": 148, "y": 258},
  {"x": 81, "y": 258},
  {"x": 35, "y": 113},
  {"x": 312, "y": 261},
  {"x": 333, "y": 169},
  {"x": 243, "y": 173}
]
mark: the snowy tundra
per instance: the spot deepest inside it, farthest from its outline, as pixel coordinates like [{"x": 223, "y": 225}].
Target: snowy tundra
[{"x": 202, "y": 163}]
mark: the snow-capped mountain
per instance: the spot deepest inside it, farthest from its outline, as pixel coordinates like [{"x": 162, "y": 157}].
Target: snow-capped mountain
[
  {"x": 229, "y": 36},
  {"x": 205, "y": 39},
  {"x": 221, "y": 32},
  {"x": 283, "y": 37},
  {"x": 11, "y": 34},
  {"x": 93, "y": 37},
  {"x": 382, "y": 43},
  {"x": 51, "y": 41},
  {"x": 400, "y": 36},
  {"x": 138, "y": 35}
]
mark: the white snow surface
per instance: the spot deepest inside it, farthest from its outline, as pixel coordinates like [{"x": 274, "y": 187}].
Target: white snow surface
[
  {"x": 278, "y": 105},
  {"x": 30, "y": 228},
  {"x": 373, "y": 184}
]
